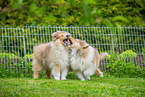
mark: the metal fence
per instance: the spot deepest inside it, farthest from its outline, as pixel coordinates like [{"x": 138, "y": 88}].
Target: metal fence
[{"x": 16, "y": 44}]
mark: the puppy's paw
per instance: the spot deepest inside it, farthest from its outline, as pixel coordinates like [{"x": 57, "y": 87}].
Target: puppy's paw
[
  {"x": 101, "y": 74},
  {"x": 106, "y": 54},
  {"x": 63, "y": 78},
  {"x": 57, "y": 78},
  {"x": 88, "y": 78},
  {"x": 82, "y": 79}
]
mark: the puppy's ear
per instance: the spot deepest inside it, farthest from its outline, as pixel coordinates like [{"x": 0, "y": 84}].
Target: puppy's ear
[
  {"x": 85, "y": 46},
  {"x": 53, "y": 35},
  {"x": 77, "y": 40}
]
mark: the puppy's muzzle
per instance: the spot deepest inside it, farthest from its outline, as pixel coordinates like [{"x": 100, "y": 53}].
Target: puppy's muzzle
[{"x": 67, "y": 41}]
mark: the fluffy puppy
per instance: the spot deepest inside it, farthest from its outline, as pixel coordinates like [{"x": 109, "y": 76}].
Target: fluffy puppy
[
  {"x": 85, "y": 60},
  {"x": 53, "y": 56}
]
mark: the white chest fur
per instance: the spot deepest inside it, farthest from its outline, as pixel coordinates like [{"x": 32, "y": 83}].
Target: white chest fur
[
  {"x": 82, "y": 63},
  {"x": 59, "y": 55}
]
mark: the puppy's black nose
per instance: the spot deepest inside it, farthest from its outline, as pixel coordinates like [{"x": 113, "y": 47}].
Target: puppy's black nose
[{"x": 67, "y": 36}]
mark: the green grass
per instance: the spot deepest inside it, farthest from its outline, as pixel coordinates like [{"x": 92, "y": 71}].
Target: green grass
[{"x": 96, "y": 87}]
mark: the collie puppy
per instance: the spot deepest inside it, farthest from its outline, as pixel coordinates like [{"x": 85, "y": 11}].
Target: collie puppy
[
  {"x": 53, "y": 57},
  {"x": 85, "y": 60}
]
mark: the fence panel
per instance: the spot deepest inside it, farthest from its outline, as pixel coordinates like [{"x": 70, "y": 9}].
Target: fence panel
[
  {"x": 131, "y": 38},
  {"x": 98, "y": 37},
  {"x": 17, "y": 43},
  {"x": 11, "y": 51}
]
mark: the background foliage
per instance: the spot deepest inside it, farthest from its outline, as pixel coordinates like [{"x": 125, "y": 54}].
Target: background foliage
[
  {"x": 122, "y": 65},
  {"x": 110, "y": 13},
  {"x": 72, "y": 12},
  {"x": 119, "y": 65}
]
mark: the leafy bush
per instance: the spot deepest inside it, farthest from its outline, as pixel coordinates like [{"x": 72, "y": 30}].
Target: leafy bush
[
  {"x": 128, "y": 53},
  {"x": 14, "y": 66},
  {"x": 72, "y": 12},
  {"x": 11, "y": 65},
  {"x": 28, "y": 56},
  {"x": 8, "y": 55},
  {"x": 122, "y": 65},
  {"x": 9, "y": 58}
]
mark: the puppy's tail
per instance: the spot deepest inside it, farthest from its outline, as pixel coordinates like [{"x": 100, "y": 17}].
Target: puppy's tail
[{"x": 103, "y": 56}]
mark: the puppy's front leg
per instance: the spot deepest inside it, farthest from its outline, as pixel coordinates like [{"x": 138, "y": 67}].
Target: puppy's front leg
[
  {"x": 64, "y": 73},
  {"x": 87, "y": 74},
  {"x": 56, "y": 72},
  {"x": 80, "y": 75}
]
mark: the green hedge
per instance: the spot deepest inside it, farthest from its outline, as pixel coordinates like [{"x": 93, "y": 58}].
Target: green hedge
[
  {"x": 122, "y": 65},
  {"x": 14, "y": 66},
  {"x": 119, "y": 65},
  {"x": 72, "y": 12}
]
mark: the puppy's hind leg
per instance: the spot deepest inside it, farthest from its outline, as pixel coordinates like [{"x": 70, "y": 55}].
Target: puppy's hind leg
[
  {"x": 36, "y": 68},
  {"x": 36, "y": 74},
  {"x": 99, "y": 73},
  {"x": 80, "y": 75},
  {"x": 56, "y": 72},
  {"x": 48, "y": 73}
]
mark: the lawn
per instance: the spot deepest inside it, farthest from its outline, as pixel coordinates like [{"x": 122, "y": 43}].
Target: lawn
[{"x": 96, "y": 87}]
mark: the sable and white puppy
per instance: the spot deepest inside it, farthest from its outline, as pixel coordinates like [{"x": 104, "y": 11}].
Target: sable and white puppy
[
  {"x": 85, "y": 60},
  {"x": 53, "y": 56}
]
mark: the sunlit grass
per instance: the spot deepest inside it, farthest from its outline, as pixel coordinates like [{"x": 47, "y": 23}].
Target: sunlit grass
[{"x": 98, "y": 87}]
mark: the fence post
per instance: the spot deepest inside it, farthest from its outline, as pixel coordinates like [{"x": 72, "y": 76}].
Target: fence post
[
  {"x": 1, "y": 38},
  {"x": 0, "y": 43},
  {"x": 116, "y": 44},
  {"x": 24, "y": 50},
  {"x": 113, "y": 40}
]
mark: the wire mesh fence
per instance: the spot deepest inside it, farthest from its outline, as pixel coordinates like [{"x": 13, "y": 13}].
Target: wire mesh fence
[{"x": 16, "y": 44}]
